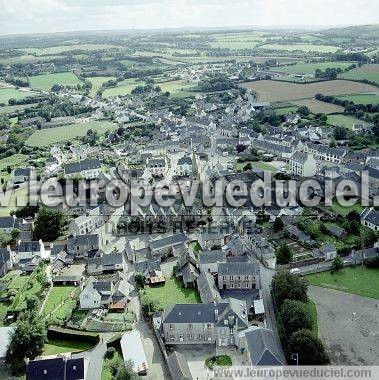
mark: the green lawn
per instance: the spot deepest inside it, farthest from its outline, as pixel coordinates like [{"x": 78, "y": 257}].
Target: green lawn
[
  {"x": 361, "y": 98},
  {"x": 13, "y": 161},
  {"x": 52, "y": 136},
  {"x": 302, "y": 47},
  {"x": 286, "y": 110},
  {"x": 344, "y": 121},
  {"x": 60, "y": 346},
  {"x": 310, "y": 68},
  {"x": 345, "y": 210},
  {"x": 235, "y": 45},
  {"x": 56, "y": 296},
  {"x": 172, "y": 292},
  {"x": 313, "y": 311},
  {"x": 46, "y": 81},
  {"x": 360, "y": 280},
  {"x": 18, "y": 195},
  {"x": 13, "y": 93}
]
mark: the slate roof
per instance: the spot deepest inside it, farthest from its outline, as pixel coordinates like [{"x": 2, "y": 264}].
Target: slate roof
[
  {"x": 82, "y": 240},
  {"x": 80, "y": 166},
  {"x": 178, "y": 366},
  {"x": 371, "y": 216},
  {"x": 263, "y": 348},
  {"x": 168, "y": 241},
  {"x": 56, "y": 369},
  {"x": 5, "y": 255},
  {"x": 185, "y": 160},
  {"x": 24, "y": 172},
  {"x": 299, "y": 157},
  {"x": 6, "y": 222},
  {"x": 192, "y": 313},
  {"x": 237, "y": 268},
  {"x": 210, "y": 257},
  {"x": 207, "y": 288},
  {"x": 29, "y": 246}
]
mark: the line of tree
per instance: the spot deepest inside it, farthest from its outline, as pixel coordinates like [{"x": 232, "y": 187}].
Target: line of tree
[
  {"x": 290, "y": 296},
  {"x": 350, "y": 106}
]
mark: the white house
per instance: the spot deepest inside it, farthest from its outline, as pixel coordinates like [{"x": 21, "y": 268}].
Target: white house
[
  {"x": 184, "y": 166},
  {"x": 85, "y": 224},
  {"x": 370, "y": 218},
  {"x": 157, "y": 166},
  {"x": 303, "y": 164}
]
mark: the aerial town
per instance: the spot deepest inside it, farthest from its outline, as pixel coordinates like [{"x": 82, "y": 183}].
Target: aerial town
[{"x": 103, "y": 280}]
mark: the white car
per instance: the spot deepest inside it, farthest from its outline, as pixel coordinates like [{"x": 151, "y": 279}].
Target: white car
[{"x": 295, "y": 270}]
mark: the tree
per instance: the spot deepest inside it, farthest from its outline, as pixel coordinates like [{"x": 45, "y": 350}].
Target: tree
[
  {"x": 140, "y": 279},
  {"x": 247, "y": 167},
  {"x": 49, "y": 224},
  {"x": 283, "y": 254},
  {"x": 241, "y": 148},
  {"x": 295, "y": 316},
  {"x": 288, "y": 286},
  {"x": 32, "y": 303},
  {"x": 309, "y": 348},
  {"x": 278, "y": 224},
  {"x": 337, "y": 264},
  {"x": 340, "y": 133},
  {"x": 27, "y": 340},
  {"x": 304, "y": 111}
]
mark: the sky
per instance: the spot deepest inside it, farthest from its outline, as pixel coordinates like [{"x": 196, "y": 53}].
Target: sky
[{"x": 46, "y": 16}]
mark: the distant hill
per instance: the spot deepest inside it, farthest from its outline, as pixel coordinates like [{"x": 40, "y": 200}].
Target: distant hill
[{"x": 354, "y": 31}]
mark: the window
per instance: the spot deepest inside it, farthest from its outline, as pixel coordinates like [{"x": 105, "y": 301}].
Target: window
[
  {"x": 190, "y": 325},
  {"x": 45, "y": 371},
  {"x": 232, "y": 285},
  {"x": 171, "y": 327},
  {"x": 74, "y": 367},
  {"x": 209, "y": 325},
  {"x": 190, "y": 336}
]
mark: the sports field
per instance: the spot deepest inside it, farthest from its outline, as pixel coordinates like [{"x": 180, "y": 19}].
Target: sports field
[
  {"x": 369, "y": 72},
  {"x": 302, "y": 47},
  {"x": 46, "y": 81},
  {"x": 274, "y": 91},
  {"x": 51, "y": 136}
]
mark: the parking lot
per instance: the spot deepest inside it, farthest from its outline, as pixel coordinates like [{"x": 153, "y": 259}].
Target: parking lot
[{"x": 348, "y": 325}]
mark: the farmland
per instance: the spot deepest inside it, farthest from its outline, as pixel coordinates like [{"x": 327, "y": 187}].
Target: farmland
[
  {"x": 302, "y": 48},
  {"x": 124, "y": 88},
  {"x": 309, "y": 68},
  {"x": 344, "y": 121},
  {"x": 365, "y": 72},
  {"x": 176, "y": 88},
  {"x": 97, "y": 83},
  {"x": 66, "y": 48},
  {"x": 13, "y": 93},
  {"x": 274, "y": 91},
  {"x": 317, "y": 106},
  {"x": 361, "y": 98},
  {"x": 46, "y": 81},
  {"x": 51, "y": 136}
]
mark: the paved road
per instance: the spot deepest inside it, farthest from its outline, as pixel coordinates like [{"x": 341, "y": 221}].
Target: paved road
[{"x": 266, "y": 278}]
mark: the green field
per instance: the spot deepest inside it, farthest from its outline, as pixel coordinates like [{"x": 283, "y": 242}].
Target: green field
[
  {"x": 13, "y": 93},
  {"x": 359, "y": 280},
  {"x": 345, "y": 210},
  {"x": 46, "y": 81},
  {"x": 124, "y": 88},
  {"x": 97, "y": 83},
  {"x": 361, "y": 98},
  {"x": 172, "y": 292},
  {"x": 13, "y": 161},
  {"x": 59, "y": 346},
  {"x": 19, "y": 107},
  {"x": 302, "y": 47},
  {"x": 310, "y": 68},
  {"x": 344, "y": 121},
  {"x": 18, "y": 195},
  {"x": 56, "y": 296},
  {"x": 234, "y": 45},
  {"x": 65, "y": 48},
  {"x": 285, "y": 110},
  {"x": 52, "y": 136},
  {"x": 368, "y": 72},
  {"x": 176, "y": 88}
]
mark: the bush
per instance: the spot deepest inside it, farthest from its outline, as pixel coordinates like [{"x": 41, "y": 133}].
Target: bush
[
  {"x": 221, "y": 360},
  {"x": 295, "y": 316},
  {"x": 109, "y": 353},
  {"x": 310, "y": 349}
]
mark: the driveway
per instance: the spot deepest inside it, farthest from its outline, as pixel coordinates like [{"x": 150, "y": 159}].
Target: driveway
[{"x": 348, "y": 325}]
